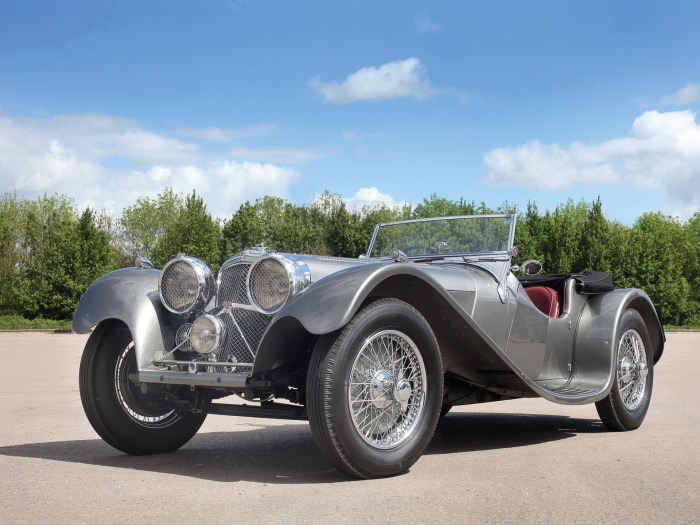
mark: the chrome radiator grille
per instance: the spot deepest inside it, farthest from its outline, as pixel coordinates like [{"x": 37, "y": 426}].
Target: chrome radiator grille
[
  {"x": 232, "y": 285},
  {"x": 245, "y": 326}
]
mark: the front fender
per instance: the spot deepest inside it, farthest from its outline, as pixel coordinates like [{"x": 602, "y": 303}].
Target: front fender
[
  {"x": 332, "y": 302},
  {"x": 131, "y": 296},
  {"x": 325, "y": 307},
  {"x": 329, "y": 305},
  {"x": 598, "y": 331}
]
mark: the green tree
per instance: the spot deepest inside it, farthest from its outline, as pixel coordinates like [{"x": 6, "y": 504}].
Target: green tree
[
  {"x": 193, "y": 232},
  {"x": 658, "y": 265},
  {"x": 435, "y": 206},
  {"x": 692, "y": 234},
  {"x": 244, "y": 230},
  {"x": 528, "y": 233},
  {"x": 94, "y": 250},
  {"x": 594, "y": 235},
  {"x": 342, "y": 231},
  {"x": 10, "y": 235},
  {"x": 559, "y": 237},
  {"x": 50, "y": 269},
  {"x": 620, "y": 254},
  {"x": 144, "y": 223}
]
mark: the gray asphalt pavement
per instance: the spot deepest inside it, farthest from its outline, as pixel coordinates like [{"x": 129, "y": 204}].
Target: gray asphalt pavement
[{"x": 523, "y": 461}]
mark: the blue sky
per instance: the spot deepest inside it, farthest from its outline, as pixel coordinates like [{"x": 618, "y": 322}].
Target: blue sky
[{"x": 377, "y": 101}]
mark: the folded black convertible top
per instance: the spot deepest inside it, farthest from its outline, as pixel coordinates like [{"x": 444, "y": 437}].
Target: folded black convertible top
[{"x": 589, "y": 282}]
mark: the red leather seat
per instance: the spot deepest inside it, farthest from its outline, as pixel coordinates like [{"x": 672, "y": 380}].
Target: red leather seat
[{"x": 545, "y": 299}]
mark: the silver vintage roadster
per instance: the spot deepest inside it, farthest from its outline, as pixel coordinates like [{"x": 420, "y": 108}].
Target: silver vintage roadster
[{"x": 372, "y": 351}]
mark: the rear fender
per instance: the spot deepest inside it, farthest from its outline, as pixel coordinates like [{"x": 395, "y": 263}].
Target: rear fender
[
  {"x": 130, "y": 296},
  {"x": 598, "y": 330}
]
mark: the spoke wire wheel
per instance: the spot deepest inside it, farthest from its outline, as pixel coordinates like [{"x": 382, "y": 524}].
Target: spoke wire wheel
[
  {"x": 626, "y": 405},
  {"x": 632, "y": 369},
  {"x": 374, "y": 390},
  {"x": 127, "y": 418},
  {"x": 135, "y": 403},
  {"x": 387, "y": 389}
]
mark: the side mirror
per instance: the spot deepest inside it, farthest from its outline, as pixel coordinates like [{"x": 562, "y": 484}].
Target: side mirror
[{"x": 531, "y": 267}]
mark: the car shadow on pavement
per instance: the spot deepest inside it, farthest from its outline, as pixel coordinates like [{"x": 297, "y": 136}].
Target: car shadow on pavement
[
  {"x": 461, "y": 432},
  {"x": 286, "y": 454}
]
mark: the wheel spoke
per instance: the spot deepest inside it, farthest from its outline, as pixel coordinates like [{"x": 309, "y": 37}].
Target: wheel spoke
[
  {"x": 387, "y": 389},
  {"x": 631, "y": 361}
]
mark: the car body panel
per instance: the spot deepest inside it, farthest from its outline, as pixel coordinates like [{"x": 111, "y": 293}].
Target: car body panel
[
  {"x": 131, "y": 296},
  {"x": 489, "y": 332}
]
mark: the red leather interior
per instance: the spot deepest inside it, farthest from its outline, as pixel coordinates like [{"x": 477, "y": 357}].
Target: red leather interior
[{"x": 545, "y": 299}]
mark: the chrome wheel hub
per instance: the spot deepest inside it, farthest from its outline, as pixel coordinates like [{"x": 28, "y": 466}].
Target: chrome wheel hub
[
  {"x": 381, "y": 388},
  {"x": 632, "y": 369},
  {"x": 386, "y": 393}
]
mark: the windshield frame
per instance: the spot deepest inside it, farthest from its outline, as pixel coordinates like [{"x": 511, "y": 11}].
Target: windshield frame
[{"x": 508, "y": 252}]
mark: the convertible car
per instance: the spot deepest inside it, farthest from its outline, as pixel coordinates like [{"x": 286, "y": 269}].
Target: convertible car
[{"x": 372, "y": 351}]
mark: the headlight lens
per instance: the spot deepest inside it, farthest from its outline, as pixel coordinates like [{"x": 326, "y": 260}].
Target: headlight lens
[
  {"x": 186, "y": 285},
  {"x": 207, "y": 334},
  {"x": 275, "y": 279}
]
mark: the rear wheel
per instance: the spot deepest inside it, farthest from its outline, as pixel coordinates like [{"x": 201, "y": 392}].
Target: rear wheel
[
  {"x": 628, "y": 401},
  {"x": 125, "y": 417},
  {"x": 374, "y": 391}
]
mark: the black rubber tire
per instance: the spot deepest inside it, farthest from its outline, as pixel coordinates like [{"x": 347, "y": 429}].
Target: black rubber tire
[
  {"x": 104, "y": 352},
  {"x": 328, "y": 397},
  {"x": 611, "y": 409}
]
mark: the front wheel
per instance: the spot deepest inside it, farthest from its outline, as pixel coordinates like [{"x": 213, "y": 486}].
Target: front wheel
[
  {"x": 374, "y": 391},
  {"x": 627, "y": 403},
  {"x": 125, "y": 417}
]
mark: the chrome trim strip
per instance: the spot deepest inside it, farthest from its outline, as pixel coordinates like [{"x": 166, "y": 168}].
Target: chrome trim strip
[
  {"x": 229, "y": 364},
  {"x": 237, "y": 380}
]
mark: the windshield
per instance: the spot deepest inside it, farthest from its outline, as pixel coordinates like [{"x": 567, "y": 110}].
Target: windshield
[{"x": 444, "y": 236}]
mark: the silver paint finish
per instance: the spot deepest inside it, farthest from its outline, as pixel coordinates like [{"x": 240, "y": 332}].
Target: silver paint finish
[
  {"x": 595, "y": 365},
  {"x": 331, "y": 302},
  {"x": 131, "y": 296},
  {"x": 566, "y": 360}
]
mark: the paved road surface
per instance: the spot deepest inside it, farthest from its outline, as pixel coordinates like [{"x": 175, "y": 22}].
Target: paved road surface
[{"x": 523, "y": 461}]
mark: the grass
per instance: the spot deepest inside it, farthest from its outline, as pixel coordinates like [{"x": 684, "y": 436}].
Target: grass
[{"x": 16, "y": 322}]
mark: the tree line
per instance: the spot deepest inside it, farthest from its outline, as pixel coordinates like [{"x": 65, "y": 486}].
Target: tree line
[{"x": 50, "y": 252}]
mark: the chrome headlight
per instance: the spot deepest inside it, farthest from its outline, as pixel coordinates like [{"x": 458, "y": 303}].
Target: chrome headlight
[
  {"x": 186, "y": 285},
  {"x": 273, "y": 280},
  {"x": 207, "y": 334}
]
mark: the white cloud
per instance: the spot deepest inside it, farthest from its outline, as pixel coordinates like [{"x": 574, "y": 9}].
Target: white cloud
[
  {"x": 108, "y": 162},
  {"x": 661, "y": 151},
  {"x": 226, "y": 135},
  {"x": 685, "y": 95},
  {"x": 372, "y": 197},
  {"x": 281, "y": 155},
  {"x": 404, "y": 78}
]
